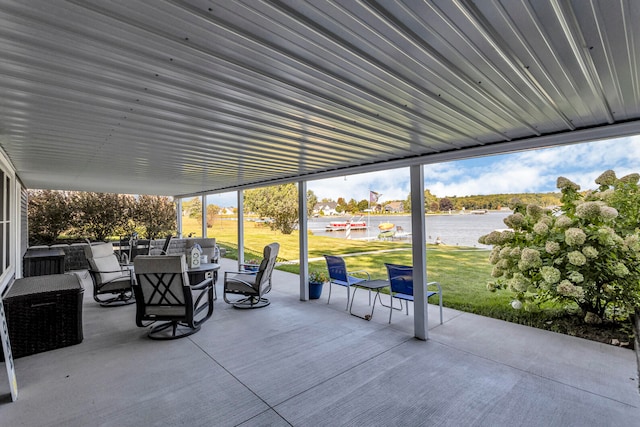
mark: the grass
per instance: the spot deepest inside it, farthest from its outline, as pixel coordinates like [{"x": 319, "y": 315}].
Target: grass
[{"x": 462, "y": 272}]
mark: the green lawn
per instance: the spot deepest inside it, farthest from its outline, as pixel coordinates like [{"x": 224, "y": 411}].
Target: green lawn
[{"x": 462, "y": 272}]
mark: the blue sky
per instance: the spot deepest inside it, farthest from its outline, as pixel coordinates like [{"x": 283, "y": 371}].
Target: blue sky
[{"x": 524, "y": 172}]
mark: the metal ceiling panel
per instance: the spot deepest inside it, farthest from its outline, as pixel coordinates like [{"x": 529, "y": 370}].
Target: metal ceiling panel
[{"x": 183, "y": 97}]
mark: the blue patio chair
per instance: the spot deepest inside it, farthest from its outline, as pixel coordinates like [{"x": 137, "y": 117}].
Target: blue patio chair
[
  {"x": 401, "y": 283},
  {"x": 338, "y": 275}
]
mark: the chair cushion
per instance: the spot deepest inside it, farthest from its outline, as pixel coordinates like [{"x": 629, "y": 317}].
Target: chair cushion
[
  {"x": 116, "y": 285},
  {"x": 240, "y": 282},
  {"x": 159, "y": 310},
  {"x": 102, "y": 258}
]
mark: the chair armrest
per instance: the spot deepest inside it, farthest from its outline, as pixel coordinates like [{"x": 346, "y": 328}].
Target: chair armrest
[
  {"x": 123, "y": 270},
  {"x": 239, "y": 272},
  {"x": 202, "y": 285},
  {"x": 359, "y": 272},
  {"x": 437, "y": 284}
]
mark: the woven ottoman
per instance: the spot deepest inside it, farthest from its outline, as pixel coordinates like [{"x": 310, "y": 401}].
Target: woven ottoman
[{"x": 44, "y": 313}]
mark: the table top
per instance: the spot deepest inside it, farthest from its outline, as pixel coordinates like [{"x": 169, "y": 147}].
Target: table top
[
  {"x": 41, "y": 284},
  {"x": 43, "y": 253},
  {"x": 373, "y": 284},
  {"x": 207, "y": 266}
]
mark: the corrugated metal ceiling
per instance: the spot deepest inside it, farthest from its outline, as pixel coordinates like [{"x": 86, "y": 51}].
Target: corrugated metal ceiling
[{"x": 180, "y": 97}]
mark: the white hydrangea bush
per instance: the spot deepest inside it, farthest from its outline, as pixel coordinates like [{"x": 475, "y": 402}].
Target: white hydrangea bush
[{"x": 586, "y": 251}]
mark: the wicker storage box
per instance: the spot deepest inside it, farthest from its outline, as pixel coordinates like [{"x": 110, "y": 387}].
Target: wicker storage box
[
  {"x": 44, "y": 313},
  {"x": 42, "y": 262}
]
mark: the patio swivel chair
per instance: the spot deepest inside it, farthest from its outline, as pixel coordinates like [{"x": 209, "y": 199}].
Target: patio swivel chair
[
  {"x": 161, "y": 251},
  {"x": 401, "y": 284},
  {"x": 338, "y": 275},
  {"x": 252, "y": 285},
  {"x": 164, "y": 295},
  {"x": 111, "y": 281}
]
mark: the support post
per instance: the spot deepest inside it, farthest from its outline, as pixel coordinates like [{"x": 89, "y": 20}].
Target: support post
[
  {"x": 240, "y": 229},
  {"x": 179, "y": 217},
  {"x": 304, "y": 241},
  {"x": 203, "y": 200},
  {"x": 418, "y": 242}
]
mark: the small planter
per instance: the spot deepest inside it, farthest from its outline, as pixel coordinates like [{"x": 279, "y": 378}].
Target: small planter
[
  {"x": 315, "y": 290},
  {"x": 250, "y": 267}
]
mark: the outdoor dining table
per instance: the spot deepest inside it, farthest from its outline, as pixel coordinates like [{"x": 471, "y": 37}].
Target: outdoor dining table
[
  {"x": 371, "y": 285},
  {"x": 204, "y": 271}
]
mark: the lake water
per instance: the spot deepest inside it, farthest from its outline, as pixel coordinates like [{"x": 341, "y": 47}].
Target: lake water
[{"x": 456, "y": 229}]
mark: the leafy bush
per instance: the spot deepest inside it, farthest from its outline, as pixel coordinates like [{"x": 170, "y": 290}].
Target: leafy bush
[
  {"x": 586, "y": 251},
  {"x": 50, "y": 213},
  {"x": 97, "y": 216}
]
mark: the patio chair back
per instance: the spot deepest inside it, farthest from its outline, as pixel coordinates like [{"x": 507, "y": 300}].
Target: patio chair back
[
  {"x": 268, "y": 263},
  {"x": 339, "y": 275},
  {"x": 400, "y": 279},
  {"x": 111, "y": 282},
  {"x": 401, "y": 286},
  {"x": 337, "y": 269},
  {"x": 163, "y": 293}
]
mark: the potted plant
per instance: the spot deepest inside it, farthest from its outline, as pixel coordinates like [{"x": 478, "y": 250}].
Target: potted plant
[
  {"x": 252, "y": 265},
  {"x": 316, "y": 279}
]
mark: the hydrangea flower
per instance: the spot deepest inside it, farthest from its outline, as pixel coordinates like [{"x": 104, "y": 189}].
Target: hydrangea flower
[
  {"x": 566, "y": 184},
  {"x": 620, "y": 270},
  {"x": 496, "y": 271},
  {"x": 495, "y": 254},
  {"x": 541, "y": 228},
  {"x": 552, "y": 247},
  {"x": 574, "y": 236},
  {"x": 515, "y": 221},
  {"x": 632, "y": 241},
  {"x": 576, "y": 258},
  {"x": 563, "y": 221},
  {"x": 529, "y": 259},
  {"x": 568, "y": 289},
  {"x": 589, "y": 210},
  {"x": 505, "y": 252},
  {"x": 608, "y": 213},
  {"x": 606, "y": 236},
  {"x": 607, "y": 178},
  {"x": 534, "y": 211},
  {"x": 518, "y": 283},
  {"x": 632, "y": 178},
  {"x": 590, "y": 252},
  {"x": 551, "y": 275},
  {"x": 576, "y": 277}
]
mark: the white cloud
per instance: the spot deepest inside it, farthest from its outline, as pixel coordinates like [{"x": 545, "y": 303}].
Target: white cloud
[{"x": 527, "y": 171}]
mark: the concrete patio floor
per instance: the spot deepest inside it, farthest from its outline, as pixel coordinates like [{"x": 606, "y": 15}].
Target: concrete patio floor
[{"x": 312, "y": 364}]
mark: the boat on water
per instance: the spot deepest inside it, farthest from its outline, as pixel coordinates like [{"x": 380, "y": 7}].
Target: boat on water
[
  {"x": 386, "y": 226},
  {"x": 358, "y": 224},
  {"x": 386, "y": 235}
]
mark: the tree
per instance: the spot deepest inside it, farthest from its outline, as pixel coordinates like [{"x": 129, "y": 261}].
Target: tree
[
  {"x": 352, "y": 206},
  {"x": 429, "y": 200},
  {"x": 100, "y": 215},
  {"x": 445, "y": 204},
  {"x": 586, "y": 252},
  {"x": 407, "y": 204},
  {"x": 280, "y": 203},
  {"x": 195, "y": 208},
  {"x": 49, "y": 213},
  {"x": 212, "y": 214},
  {"x": 157, "y": 214},
  {"x": 364, "y": 205}
]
